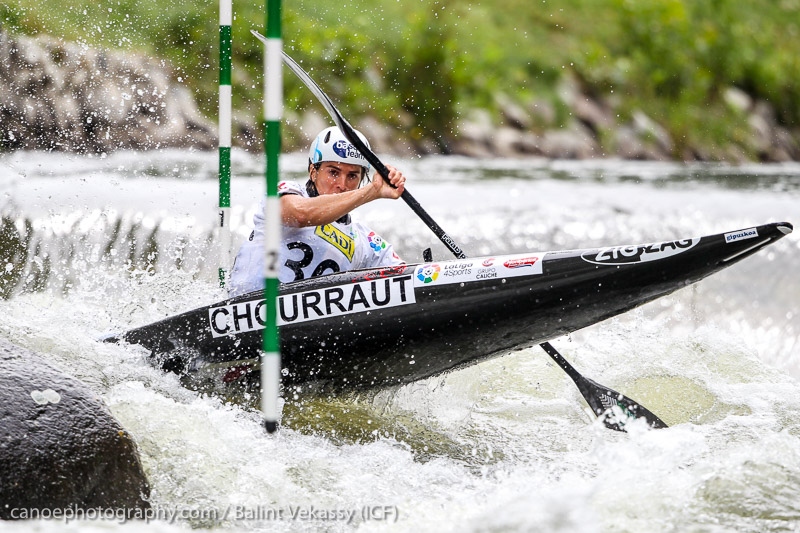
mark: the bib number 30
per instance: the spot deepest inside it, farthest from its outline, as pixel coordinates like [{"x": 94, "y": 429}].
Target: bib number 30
[{"x": 328, "y": 266}]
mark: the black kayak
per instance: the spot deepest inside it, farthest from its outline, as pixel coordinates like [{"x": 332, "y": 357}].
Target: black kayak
[{"x": 371, "y": 328}]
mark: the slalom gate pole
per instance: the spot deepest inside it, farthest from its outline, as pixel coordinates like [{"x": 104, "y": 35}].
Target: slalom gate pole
[
  {"x": 225, "y": 52},
  {"x": 273, "y": 113}
]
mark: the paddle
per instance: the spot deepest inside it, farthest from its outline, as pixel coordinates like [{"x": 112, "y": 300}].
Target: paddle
[{"x": 601, "y": 399}]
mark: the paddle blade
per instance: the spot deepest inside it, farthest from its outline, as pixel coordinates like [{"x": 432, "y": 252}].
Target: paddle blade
[{"x": 613, "y": 408}]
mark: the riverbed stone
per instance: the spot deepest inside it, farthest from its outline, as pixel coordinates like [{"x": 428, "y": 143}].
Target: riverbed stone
[{"x": 60, "y": 447}]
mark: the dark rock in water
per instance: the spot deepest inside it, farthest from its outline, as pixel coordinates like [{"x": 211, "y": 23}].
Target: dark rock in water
[{"x": 60, "y": 447}]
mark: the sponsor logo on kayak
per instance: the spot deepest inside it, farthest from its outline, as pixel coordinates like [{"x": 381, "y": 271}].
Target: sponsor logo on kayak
[
  {"x": 457, "y": 270},
  {"x": 313, "y": 305},
  {"x": 477, "y": 270},
  {"x": 642, "y": 253},
  {"x": 521, "y": 263},
  {"x": 385, "y": 272},
  {"x": 486, "y": 273},
  {"x": 443, "y": 274},
  {"x": 741, "y": 235},
  {"x": 428, "y": 273}
]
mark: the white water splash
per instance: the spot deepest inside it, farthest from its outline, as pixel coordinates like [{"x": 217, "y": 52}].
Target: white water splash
[{"x": 506, "y": 445}]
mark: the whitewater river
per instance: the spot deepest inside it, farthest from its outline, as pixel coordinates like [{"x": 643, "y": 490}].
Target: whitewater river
[{"x": 117, "y": 242}]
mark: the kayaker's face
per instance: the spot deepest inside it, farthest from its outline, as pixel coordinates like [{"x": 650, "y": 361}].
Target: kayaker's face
[{"x": 334, "y": 177}]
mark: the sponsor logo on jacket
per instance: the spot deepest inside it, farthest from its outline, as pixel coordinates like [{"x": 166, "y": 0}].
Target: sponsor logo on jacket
[
  {"x": 339, "y": 239},
  {"x": 642, "y": 253},
  {"x": 313, "y": 305}
]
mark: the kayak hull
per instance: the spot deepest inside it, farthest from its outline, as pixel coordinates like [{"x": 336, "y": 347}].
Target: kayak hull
[{"x": 373, "y": 328}]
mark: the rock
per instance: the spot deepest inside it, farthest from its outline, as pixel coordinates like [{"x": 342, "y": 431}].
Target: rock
[
  {"x": 56, "y": 95},
  {"x": 761, "y": 133},
  {"x": 787, "y": 143},
  {"x": 771, "y": 141},
  {"x": 470, "y": 147},
  {"x": 60, "y": 447},
  {"x": 505, "y": 141},
  {"x": 513, "y": 114},
  {"x": 529, "y": 143},
  {"x": 628, "y": 144},
  {"x": 428, "y": 146},
  {"x": 299, "y": 130},
  {"x": 766, "y": 112},
  {"x": 245, "y": 132},
  {"x": 543, "y": 113},
  {"x": 736, "y": 155},
  {"x": 644, "y": 139},
  {"x": 737, "y": 99},
  {"x": 648, "y": 129},
  {"x": 576, "y": 142},
  {"x": 510, "y": 142},
  {"x": 473, "y": 137},
  {"x": 311, "y": 123},
  {"x": 385, "y": 139},
  {"x": 592, "y": 114}
]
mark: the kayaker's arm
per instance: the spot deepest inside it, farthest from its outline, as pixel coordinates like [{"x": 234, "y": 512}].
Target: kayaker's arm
[{"x": 298, "y": 211}]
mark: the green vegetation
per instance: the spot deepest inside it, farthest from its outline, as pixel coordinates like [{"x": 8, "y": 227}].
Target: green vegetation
[{"x": 420, "y": 64}]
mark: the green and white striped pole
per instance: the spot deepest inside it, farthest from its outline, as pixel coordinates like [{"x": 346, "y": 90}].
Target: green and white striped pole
[
  {"x": 273, "y": 113},
  {"x": 225, "y": 51}
]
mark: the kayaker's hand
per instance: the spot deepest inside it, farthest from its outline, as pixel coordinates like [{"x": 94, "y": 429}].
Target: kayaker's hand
[{"x": 383, "y": 188}]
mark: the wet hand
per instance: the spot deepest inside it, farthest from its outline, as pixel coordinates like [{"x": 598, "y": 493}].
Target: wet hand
[{"x": 396, "y": 178}]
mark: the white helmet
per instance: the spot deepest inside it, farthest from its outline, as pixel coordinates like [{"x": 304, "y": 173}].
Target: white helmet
[{"x": 332, "y": 145}]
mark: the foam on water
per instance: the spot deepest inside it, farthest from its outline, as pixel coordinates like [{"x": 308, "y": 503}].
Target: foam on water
[{"x": 507, "y": 445}]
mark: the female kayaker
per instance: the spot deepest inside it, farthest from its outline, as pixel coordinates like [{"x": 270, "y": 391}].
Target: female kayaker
[{"x": 319, "y": 235}]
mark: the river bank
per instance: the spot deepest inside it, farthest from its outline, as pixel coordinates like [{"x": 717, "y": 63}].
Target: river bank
[{"x": 64, "y": 96}]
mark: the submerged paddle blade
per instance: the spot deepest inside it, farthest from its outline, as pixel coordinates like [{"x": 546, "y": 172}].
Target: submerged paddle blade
[{"x": 614, "y": 409}]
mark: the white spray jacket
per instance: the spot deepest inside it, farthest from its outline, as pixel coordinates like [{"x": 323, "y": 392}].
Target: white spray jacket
[{"x": 309, "y": 251}]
